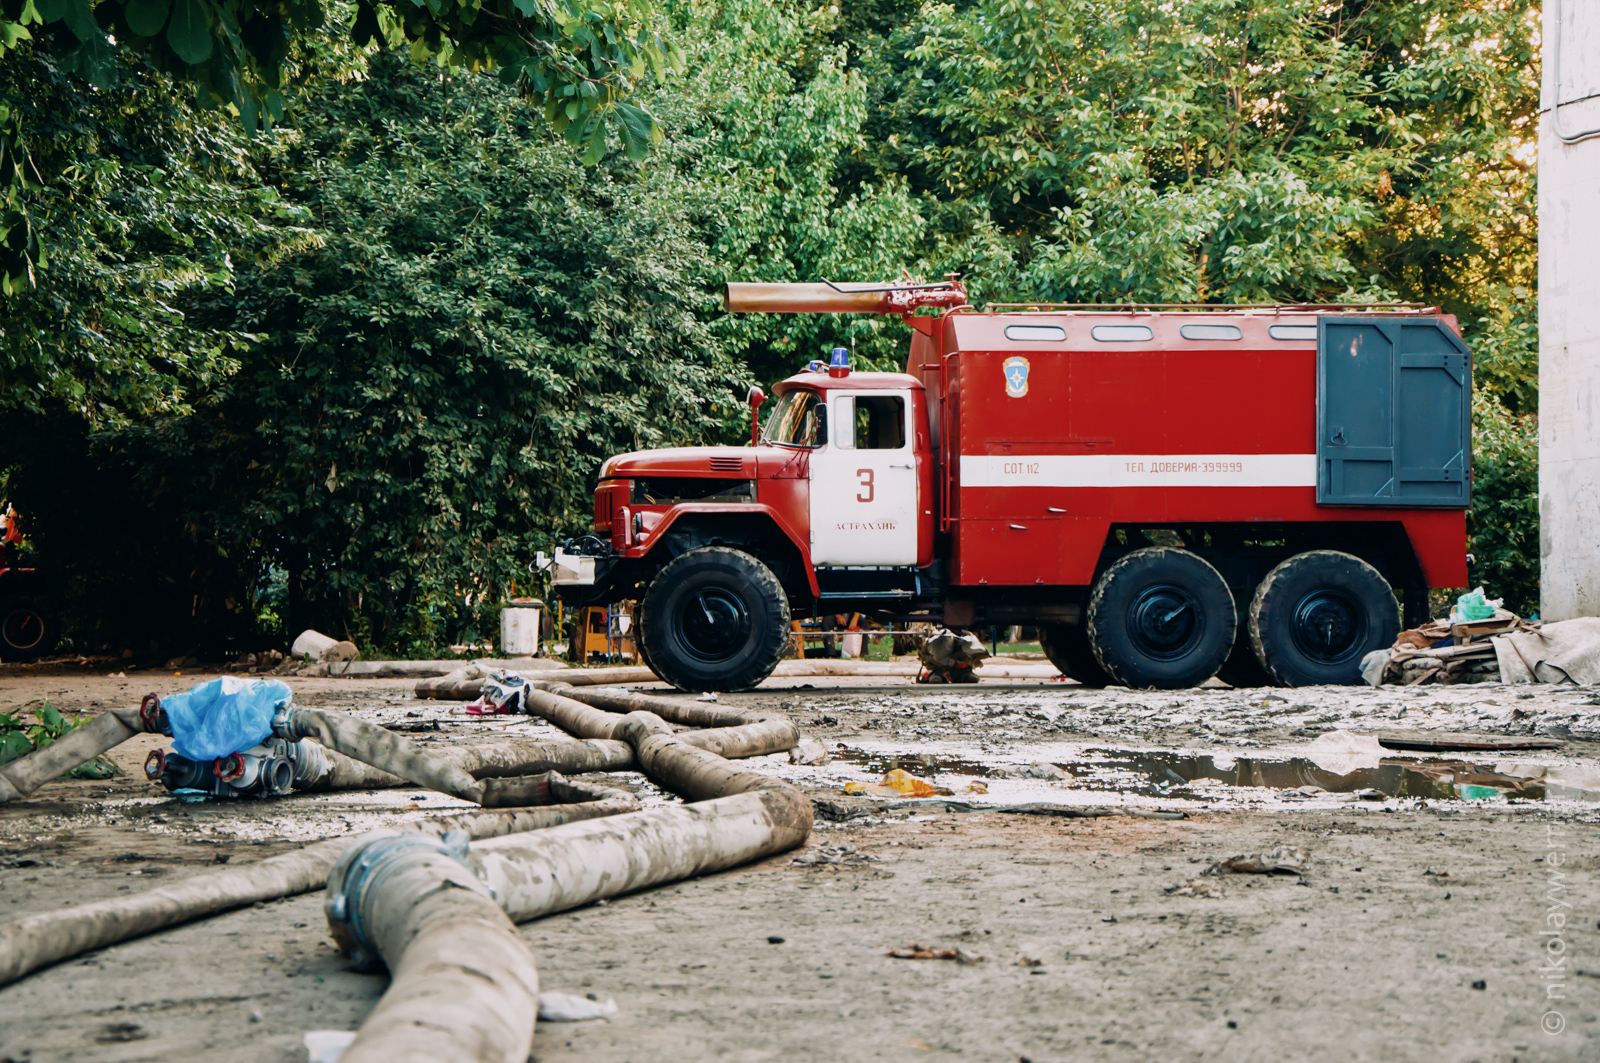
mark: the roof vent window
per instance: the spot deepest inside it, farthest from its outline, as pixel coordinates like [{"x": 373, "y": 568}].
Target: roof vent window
[
  {"x": 1121, "y": 333},
  {"x": 1035, "y": 333},
  {"x": 1293, "y": 332},
  {"x": 1211, "y": 332}
]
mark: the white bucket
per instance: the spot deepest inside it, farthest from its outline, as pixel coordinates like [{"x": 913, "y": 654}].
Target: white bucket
[{"x": 519, "y": 627}]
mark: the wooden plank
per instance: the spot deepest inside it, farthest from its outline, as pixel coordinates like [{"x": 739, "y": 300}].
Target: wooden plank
[{"x": 1443, "y": 741}]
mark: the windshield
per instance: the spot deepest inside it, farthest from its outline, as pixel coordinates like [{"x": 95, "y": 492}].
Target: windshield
[{"x": 798, "y": 420}]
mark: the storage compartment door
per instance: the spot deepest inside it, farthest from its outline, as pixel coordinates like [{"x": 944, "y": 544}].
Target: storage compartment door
[
  {"x": 1393, "y": 413},
  {"x": 1021, "y": 552}
]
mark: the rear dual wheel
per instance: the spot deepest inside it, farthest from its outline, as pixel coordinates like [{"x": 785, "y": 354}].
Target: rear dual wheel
[{"x": 1317, "y": 614}]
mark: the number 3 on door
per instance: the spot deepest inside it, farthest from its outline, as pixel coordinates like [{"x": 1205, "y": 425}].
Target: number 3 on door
[{"x": 866, "y": 485}]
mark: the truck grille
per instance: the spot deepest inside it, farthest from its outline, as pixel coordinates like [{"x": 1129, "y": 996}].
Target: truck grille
[{"x": 733, "y": 465}]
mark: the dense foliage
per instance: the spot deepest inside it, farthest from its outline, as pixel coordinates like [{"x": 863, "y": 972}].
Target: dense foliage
[
  {"x": 385, "y": 344},
  {"x": 579, "y": 60}
]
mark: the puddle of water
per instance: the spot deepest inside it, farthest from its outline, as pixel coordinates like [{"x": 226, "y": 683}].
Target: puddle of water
[
  {"x": 1164, "y": 774},
  {"x": 923, "y": 765},
  {"x": 1394, "y": 777}
]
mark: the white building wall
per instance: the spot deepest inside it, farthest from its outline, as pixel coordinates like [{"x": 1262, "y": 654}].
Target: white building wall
[{"x": 1569, "y": 312}]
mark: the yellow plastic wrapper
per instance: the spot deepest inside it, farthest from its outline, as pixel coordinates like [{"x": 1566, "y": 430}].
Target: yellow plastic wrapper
[
  {"x": 904, "y": 782},
  {"x": 897, "y": 783}
]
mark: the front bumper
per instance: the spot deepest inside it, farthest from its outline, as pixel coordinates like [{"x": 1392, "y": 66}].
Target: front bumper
[{"x": 573, "y": 570}]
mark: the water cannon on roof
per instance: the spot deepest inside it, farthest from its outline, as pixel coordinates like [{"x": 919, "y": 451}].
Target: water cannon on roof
[{"x": 828, "y": 297}]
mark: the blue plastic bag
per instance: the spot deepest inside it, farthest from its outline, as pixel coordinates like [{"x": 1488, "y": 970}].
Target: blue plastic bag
[{"x": 223, "y": 716}]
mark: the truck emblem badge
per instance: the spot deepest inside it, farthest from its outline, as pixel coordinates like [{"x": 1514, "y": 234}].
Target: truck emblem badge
[{"x": 1016, "y": 370}]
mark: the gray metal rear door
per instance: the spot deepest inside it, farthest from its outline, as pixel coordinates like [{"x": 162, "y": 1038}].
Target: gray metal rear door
[{"x": 1394, "y": 413}]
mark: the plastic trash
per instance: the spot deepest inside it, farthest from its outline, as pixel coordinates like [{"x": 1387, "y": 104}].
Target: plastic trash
[
  {"x": 897, "y": 783},
  {"x": 223, "y": 716},
  {"x": 564, "y": 1007},
  {"x": 503, "y": 695},
  {"x": 326, "y": 1046},
  {"x": 1342, "y": 752},
  {"x": 1473, "y": 606}
]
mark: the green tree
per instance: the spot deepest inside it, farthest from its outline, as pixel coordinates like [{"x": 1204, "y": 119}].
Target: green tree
[
  {"x": 435, "y": 384},
  {"x": 577, "y": 61},
  {"x": 152, "y": 203},
  {"x": 1503, "y": 524}
]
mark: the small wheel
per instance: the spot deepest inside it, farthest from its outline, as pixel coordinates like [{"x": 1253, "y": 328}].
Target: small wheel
[
  {"x": 714, "y": 619},
  {"x": 1161, "y": 618},
  {"x": 26, "y": 630},
  {"x": 1067, "y": 647},
  {"x": 1243, "y": 667},
  {"x": 1317, "y": 614}
]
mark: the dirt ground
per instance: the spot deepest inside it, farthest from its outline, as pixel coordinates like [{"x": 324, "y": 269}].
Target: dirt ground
[{"x": 1421, "y": 930}]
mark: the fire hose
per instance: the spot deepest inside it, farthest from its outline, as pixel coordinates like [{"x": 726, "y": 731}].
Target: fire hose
[
  {"x": 440, "y": 917},
  {"x": 50, "y": 937}
]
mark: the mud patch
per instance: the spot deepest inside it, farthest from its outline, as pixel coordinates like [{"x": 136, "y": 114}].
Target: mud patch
[{"x": 1207, "y": 777}]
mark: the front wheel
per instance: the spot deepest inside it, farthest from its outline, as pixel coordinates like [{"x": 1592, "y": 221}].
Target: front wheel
[
  {"x": 714, "y": 619},
  {"x": 1161, "y": 618},
  {"x": 1317, "y": 614}
]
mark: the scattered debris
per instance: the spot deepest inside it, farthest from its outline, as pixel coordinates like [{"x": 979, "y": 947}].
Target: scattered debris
[
  {"x": 897, "y": 783},
  {"x": 1481, "y": 642},
  {"x": 949, "y": 658},
  {"x": 1343, "y": 752},
  {"x": 809, "y": 751},
  {"x": 564, "y": 1007},
  {"x": 924, "y": 952},
  {"x": 1037, "y": 770},
  {"x": 319, "y": 648},
  {"x": 503, "y": 694},
  {"x": 1283, "y": 860},
  {"x": 254, "y": 663},
  {"x": 827, "y": 854},
  {"x": 1195, "y": 887},
  {"x": 327, "y": 1046}
]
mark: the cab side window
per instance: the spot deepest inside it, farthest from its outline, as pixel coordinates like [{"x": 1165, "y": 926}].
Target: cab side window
[{"x": 880, "y": 422}]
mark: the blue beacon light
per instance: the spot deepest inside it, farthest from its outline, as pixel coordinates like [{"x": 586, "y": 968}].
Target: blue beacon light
[{"x": 840, "y": 365}]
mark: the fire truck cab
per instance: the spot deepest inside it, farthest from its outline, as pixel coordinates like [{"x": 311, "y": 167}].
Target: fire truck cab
[{"x": 1168, "y": 493}]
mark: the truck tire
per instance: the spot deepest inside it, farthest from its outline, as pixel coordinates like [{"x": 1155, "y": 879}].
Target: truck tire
[
  {"x": 714, "y": 619},
  {"x": 1161, "y": 618},
  {"x": 1317, "y": 614},
  {"x": 26, "y": 630},
  {"x": 1243, "y": 668},
  {"x": 1067, "y": 647},
  {"x": 644, "y": 654}
]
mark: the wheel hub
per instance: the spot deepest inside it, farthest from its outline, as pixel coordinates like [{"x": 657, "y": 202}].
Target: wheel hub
[
  {"x": 713, "y": 624},
  {"x": 1165, "y": 622},
  {"x": 1328, "y": 627}
]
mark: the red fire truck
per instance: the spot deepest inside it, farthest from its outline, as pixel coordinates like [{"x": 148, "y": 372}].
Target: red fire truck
[{"x": 1169, "y": 493}]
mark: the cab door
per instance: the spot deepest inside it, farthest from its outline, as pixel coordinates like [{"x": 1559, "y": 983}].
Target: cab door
[{"x": 864, "y": 482}]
